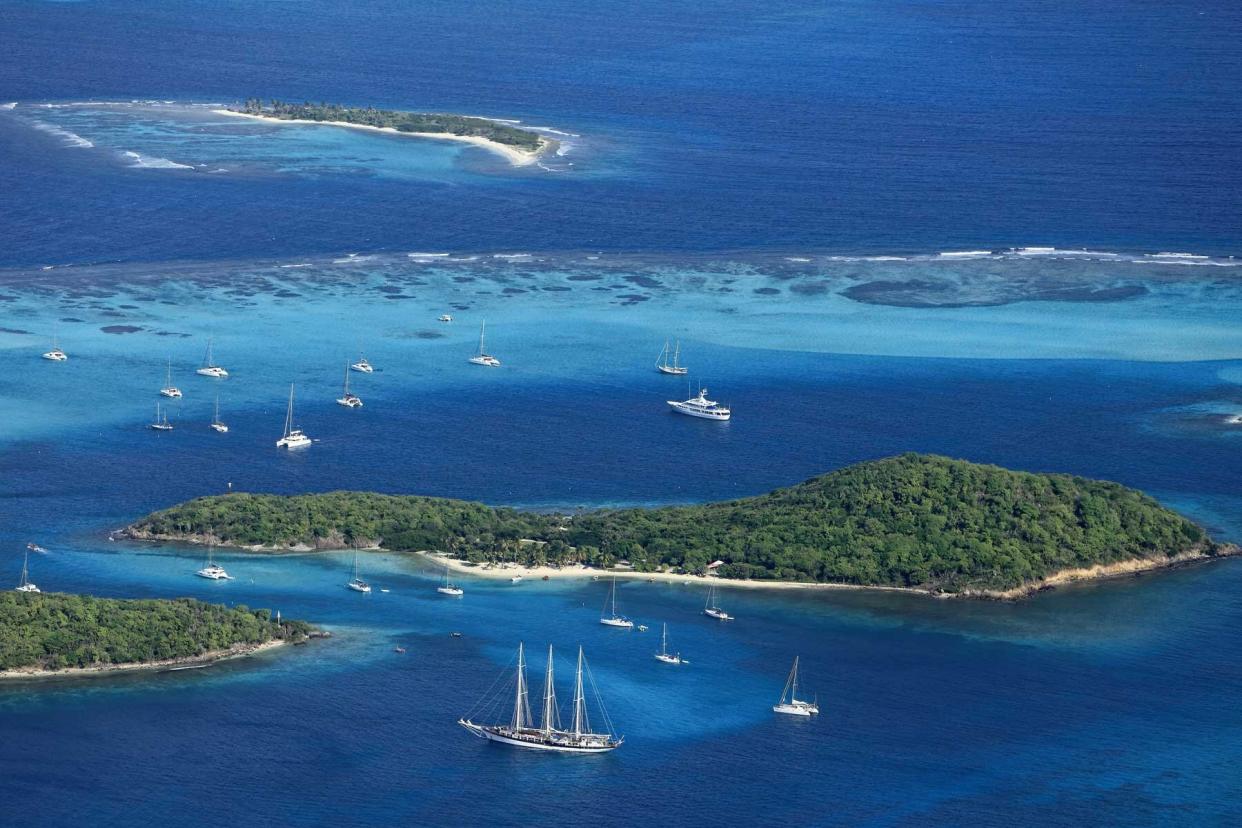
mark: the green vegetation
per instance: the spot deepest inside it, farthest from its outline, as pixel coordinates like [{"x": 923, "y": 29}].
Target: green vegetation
[
  {"x": 54, "y": 631},
  {"x": 908, "y": 521},
  {"x": 400, "y": 121}
]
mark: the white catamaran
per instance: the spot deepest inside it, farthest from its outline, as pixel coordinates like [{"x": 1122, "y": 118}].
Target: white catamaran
[
  {"x": 664, "y": 655},
  {"x": 520, "y": 731},
  {"x": 662, "y": 363},
  {"x": 356, "y": 583},
  {"x": 212, "y": 570},
  {"x": 26, "y": 585},
  {"x": 483, "y": 357},
  {"x": 293, "y": 438},
  {"x": 608, "y": 617},
  {"x": 712, "y": 609},
  {"x": 170, "y": 390},
  {"x": 447, "y": 587},
  {"x": 795, "y": 706},
  {"x": 210, "y": 369},
  {"x": 349, "y": 400},
  {"x": 56, "y": 354}
]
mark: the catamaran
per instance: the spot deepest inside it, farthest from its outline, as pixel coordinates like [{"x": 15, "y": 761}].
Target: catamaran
[
  {"x": 663, "y": 365},
  {"x": 210, "y": 369},
  {"x": 712, "y": 609},
  {"x": 362, "y": 366},
  {"x": 170, "y": 390},
  {"x": 26, "y": 585},
  {"x": 447, "y": 587},
  {"x": 212, "y": 570},
  {"x": 550, "y": 735},
  {"x": 216, "y": 423},
  {"x": 56, "y": 354},
  {"x": 795, "y": 706},
  {"x": 700, "y": 406},
  {"x": 356, "y": 583},
  {"x": 160, "y": 423},
  {"x": 483, "y": 357},
  {"x": 349, "y": 400},
  {"x": 293, "y": 438},
  {"x": 664, "y": 655},
  {"x": 609, "y": 617}
]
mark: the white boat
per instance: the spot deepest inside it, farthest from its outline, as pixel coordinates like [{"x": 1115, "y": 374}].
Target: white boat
[
  {"x": 444, "y": 317},
  {"x": 483, "y": 357},
  {"x": 711, "y": 609},
  {"x": 160, "y": 423},
  {"x": 609, "y": 617},
  {"x": 216, "y": 423},
  {"x": 447, "y": 587},
  {"x": 664, "y": 655},
  {"x": 34, "y": 547},
  {"x": 362, "y": 366},
  {"x": 521, "y": 732},
  {"x": 212, "y": 570},
  {"x": 662, "y": 363},
  {"x": 700, "y": 406},
  {"x": 56, "y": 354},
  {"x": 170, "y": 390},
  {"x": 356, "y": 583},
  {"x": 347, "y": 399},
  {"x": 516, "y": 579},
  {"x": 293, "y": 437},
  {"x": 210, "y": 369},
  {"x": 26, "y": 585},
  {"x": 794, "y": 706}
]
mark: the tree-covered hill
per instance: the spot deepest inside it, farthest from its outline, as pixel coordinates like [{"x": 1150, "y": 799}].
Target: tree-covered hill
[
  {"x": 52, "y": 631},
  {"x": 909, "y": 521}
]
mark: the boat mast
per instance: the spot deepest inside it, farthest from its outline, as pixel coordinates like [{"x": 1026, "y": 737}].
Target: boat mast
[
  {"x": 25, "y": 567},
  {"x": 482, "y": 329},
  {"x": 549, "y": 698},
  {"x": 289, "y": 412},
  {"x": 216, "y": 418},
  {"x": 579, "y": 699},
  {"x": 208, "y": 356},
  {"x": 521, "y": 713},
  {"x": 614, "y": 596},
  {"x": 347, "y": 380},
  {"x": 664, "y": 640},
  {"x": 676, "y": 352},
  {"x": 793, "y": 682}
]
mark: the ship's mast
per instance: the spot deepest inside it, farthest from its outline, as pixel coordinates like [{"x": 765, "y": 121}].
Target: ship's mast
[
  {"x": 521, "y": 712},
  {"x": 579, "y": 700},
  {"x": 549, "y": 698},
  {"x": 664, "y": 640},
  {"x": 793, "y": 694}
]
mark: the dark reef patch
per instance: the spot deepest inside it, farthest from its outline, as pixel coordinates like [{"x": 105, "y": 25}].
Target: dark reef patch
[
  {"x": 766, "y": 291},
  {"x": 13, "y": 331},
  {"x": 583, "y": 277},
  {"x": 120, "y": 329}
]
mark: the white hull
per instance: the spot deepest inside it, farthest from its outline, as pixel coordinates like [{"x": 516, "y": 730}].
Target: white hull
[
  {"x": 667, "y": 369},
  {"x": 694, "y": 411},
  {"x": 537, "y": 743},
  {"x": 350, "y": 402},
  {"x": 171, "y": 393},
  {"x": 617, "y": 622},
  {"x": 220, "y": 427},
  {"x": 55, "y": 356},
  {"x": 213, "y": 371},
  {"x": 27, "y": 588},
  {"x": 796, "y": 709},
  {"x": 489, "y": 361},
  {"x": 359, "y": 587},
  {"x": 160, "y": 427},
  {"x": 669, "y": 659},
  {"x": 454, "y": 591},
  {"x": 718, "y": 614},
  {"x": 362, "y": 367},
  {"x": 301, "y": 441},
  {"x": 214, "y": 575}
]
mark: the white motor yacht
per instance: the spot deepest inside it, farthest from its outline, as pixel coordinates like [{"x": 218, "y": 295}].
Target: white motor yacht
[
  {"x": 701, "y": 406},
  {"x": 362, "y": 366}
]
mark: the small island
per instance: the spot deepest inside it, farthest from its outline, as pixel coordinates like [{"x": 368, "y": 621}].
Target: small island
[
  {"x": 914, "y": 522},
  {"x": 519, "y": 146},
  {"x": 53, "y": 634}
]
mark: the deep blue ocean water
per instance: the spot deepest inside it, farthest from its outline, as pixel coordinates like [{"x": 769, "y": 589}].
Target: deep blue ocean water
[{"x": 768, "y": 183}]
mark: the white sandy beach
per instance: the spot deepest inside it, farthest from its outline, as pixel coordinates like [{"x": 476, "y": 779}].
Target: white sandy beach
[
  {"x": 212, "y": 657},
  {"x": 515, "y": 156}
]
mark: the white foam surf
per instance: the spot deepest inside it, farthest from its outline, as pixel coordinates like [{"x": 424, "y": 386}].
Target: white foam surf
[
  {"x": 149, "y": 162},
  {"x": 70, "y": 139}
]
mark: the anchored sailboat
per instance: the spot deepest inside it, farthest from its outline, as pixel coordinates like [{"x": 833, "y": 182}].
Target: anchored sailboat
[
  {"x": 663, "y": 365},
  {"x": 210, "y": 369},
  {"x": 160, "y": 423},
  {"x": 56, "y": 354},
  {"x": 293, "y": 437},
  {"x": 550, "y": 735},
  {"x": 349, "y": 400},
  {"x": 356, "y": 583},
  {"x": 609, "y": 617},
  {"x": 26, "y": 585},
  {"x": 213, "y": 570},
  {"x": 712, "y": 609},
  {"x": 795, "y": 706},
  {"x": 170, "y": 390},
  {"x": 483, "y": 357},
  {"x": 216, "y": 423},
  {"x": 447, "y": 587},
  {"x": 664, "y": 655}
]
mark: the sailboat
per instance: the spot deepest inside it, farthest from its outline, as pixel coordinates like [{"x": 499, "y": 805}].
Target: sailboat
[
  {"x": 160, "y": 423},
  {"x": 356, "y": 583},
  {"x": 56, "y": 354},
  {"x": 795, "y": 706},
  {"x": 216, "y": 423},
  {"x": 448, "y": 587},
  {"x": 26, "y": 585},
  {"x": 484, "y": 358},
  {"x": 610, "y": 618},
  {"x": 293, "y": 437},
  {"x": 664, "y": 655},
  {"x": 210, "y": 369},
  {"x": 711, "y": 608},
  {"x": 170, "y": 390},
  {"x": 213, "y": 570},
  {"x": 349, "y": 400},
  {"x": 549, "y": 735},
  {"x": 663, "y": 365}
]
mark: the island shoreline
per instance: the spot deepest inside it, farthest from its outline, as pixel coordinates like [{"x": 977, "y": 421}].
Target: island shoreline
[
  {"x": 515, "y": 156},
  {"x": 207, "y": 659}
]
